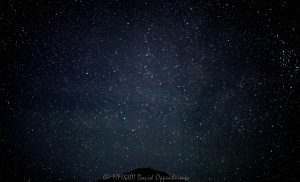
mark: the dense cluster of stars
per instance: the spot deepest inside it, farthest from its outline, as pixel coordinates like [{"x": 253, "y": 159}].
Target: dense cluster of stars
[{"x": 201, "y": 89}]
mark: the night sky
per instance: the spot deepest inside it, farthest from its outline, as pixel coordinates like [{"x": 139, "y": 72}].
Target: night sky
[{"x": 203, "y": 89}]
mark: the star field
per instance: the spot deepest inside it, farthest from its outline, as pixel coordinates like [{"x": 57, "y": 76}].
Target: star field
[{"x": 204, "y": 89}]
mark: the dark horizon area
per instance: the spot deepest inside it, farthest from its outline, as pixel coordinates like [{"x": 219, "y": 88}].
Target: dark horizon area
[
  {"x": 143, "y": 175},
  {"x": 204, "y": 89}
]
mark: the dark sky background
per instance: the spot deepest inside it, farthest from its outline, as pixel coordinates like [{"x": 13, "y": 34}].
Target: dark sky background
[{"x": 203, "y": 89}]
